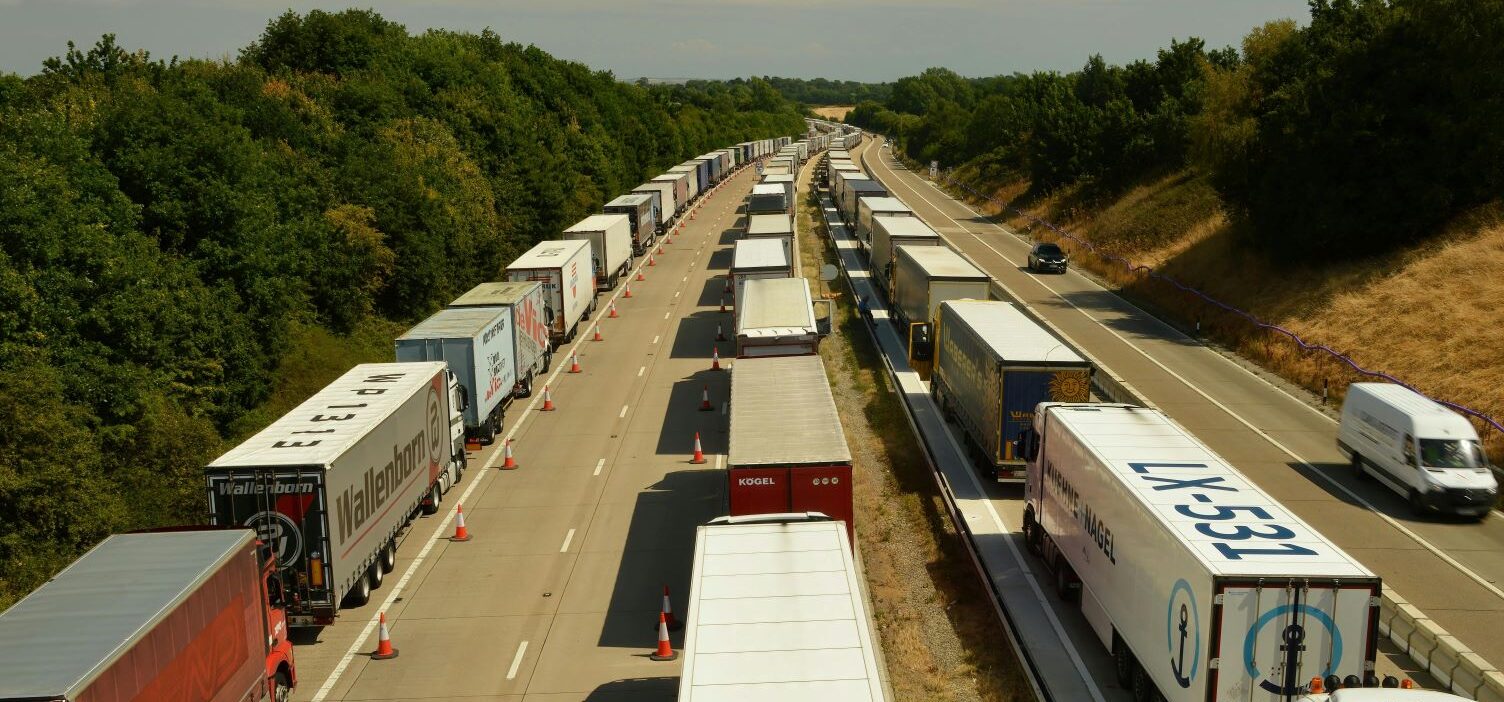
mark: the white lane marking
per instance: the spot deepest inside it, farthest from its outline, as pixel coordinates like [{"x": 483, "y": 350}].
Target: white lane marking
[
  {"x": 723, "y": 407},
  {"x": 598, "y": 466},
  {"x": 676, "y": 294},
  {"x": 358, "y": 644},
  {"x": 1391, "y": 521},
  {"x": 516, "y": 660},
  {"x": 641, "y": 370},
  {"x": 720, "y": 461},
  {"x": 623, "y": 412},
  {"x": 655, "y": 339},
  {"x": 666, "y": 314},
  {"x": 567, "y": 538},
  {"x": 685, "y": 279}
]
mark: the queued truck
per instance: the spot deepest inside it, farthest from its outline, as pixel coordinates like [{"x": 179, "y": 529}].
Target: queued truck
[
  {"x": 869, "y": 207},
  {"x": 787, "y": 181},
  {"x": 1202, "y": 587},
  {"x": 768, "y": 198},
  {"x": 753, "y": 259},
  {"x": 531, "y": 352},
  {"x": 992, "y": 366},
  {"x": 924, "y": 277},
  {"x": 477, "y": 345},
  {"x": 683, "y": 193},
  {"x": 787, "y": 451},
  {"x": 567, "y": 276},
  {"x": 180, "y": 614},
  {"x": 777, "y": 612},
  {"x": 642, "y": 220},
  {"x": 889, "y": 233},
  {"x": 691, "y": 172},
  {"x": 853, "y": 191},
  {"x": 329, "y": 485},
  {"x": 663, "y": 203},
  {"x": 776, "y": 317},
  {"x": 611, "y": 246}
]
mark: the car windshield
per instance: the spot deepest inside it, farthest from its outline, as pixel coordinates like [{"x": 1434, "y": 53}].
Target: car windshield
[
  {"x": 1450, "y": 453},
  {"x": 1048, "y": 250}
]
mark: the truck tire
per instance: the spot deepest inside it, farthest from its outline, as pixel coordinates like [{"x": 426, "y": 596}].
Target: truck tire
[
  {"x": 1358, "y": 466},
  {"x": 375, "y": 575},
  {"x": 359, "y": 595},
  {"x": 389, "y": 557},
  {"x": 1123, "y": 661},
  {"x": 1067, "y": 590},
  {"x": 281, "y": 688},
  {"x": 432, "y": 507},
  {"x": 1142, "y": 688}
]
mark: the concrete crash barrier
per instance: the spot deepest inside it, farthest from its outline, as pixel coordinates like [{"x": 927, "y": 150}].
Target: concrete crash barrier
[
  {"x": 1493, "y": 687},
  {"x": 1452, "y": 663}
]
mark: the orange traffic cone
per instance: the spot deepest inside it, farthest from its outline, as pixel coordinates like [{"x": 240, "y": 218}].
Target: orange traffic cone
[
  {"x": 715, "y": 358},
  {"x": 660, "y": 250},
  {"x": 613, "y": 311},
  {"x": 699, "y": 454},
  {"x": 460, "y": 532},
  {"x": 723, "y": 303},
  {"x": 719, "y": 335},
  {"x": 728, "y": 285},
  {"x": 639, "y": 277},
  {"x": 384, "y": 648},
  {"x": 652, "y": 261},
  {"x": 627, "y": 292},
  {"x": 548, "y": 400},
  {"x": 508, "y": 462},
  {"x": 597, "y": 336},
  {"x": 705, "y": 399},
  {"x": 574, "y": 362},
  {"x": 665, "y": 650},
  {"x": 668, "y": 612}
]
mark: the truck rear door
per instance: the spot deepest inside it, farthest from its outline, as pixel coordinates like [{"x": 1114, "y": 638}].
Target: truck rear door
[
  {"x": 1276, "y": 636},
  {"x": 285, "y": 506}
]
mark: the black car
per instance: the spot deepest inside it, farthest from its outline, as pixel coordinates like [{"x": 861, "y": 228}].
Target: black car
[{"x": 1046, "y": 257}]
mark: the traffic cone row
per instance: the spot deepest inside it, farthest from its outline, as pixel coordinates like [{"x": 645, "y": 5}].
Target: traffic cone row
[
  {"x": 699, "y": 453},
  {"x": 627, "y": 291},
  {"x": 719, "y": 335},
  {"x": 705, "y": 399},
  {"x": 548, "y": 400},
  {"x": 461, "y": 534},
  {"x": 665, "y": 650},
  {"x": 613, "y": 310},
  {"x": 715, "y": 358},
  {"x": 384, "y": 648},
  {"x": 508, "y": 462},
  {"x": 574, "y": 363},
  {"x": 652, "y": 261},
  {"x": 597, "y": 336}
]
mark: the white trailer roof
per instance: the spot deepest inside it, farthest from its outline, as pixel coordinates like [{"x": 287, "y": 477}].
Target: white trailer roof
[
  {"x": 776, "y": 612},
  {"x": 778, "y": 178},
  {"x": 941, "y": 262},
  {"x": 770, "y": 224},
  {"x": 782, "y": 413},
  {"x": 601, "y": 222},
  {"x": 629, "y": 200},
  {"x": 400, "y": 380},
  {"x": 885, "y": 204},
  {"x": 670, "y": 177},
  {"x": 1165, "y": 467},
  {"x": 1010, "y": 333},
  {"x": 768, "y": 189},
  {"x": 775, "y": 307},
  {"x": 505, "y": 292},
  {"x": 550, "y": 254},
  {"x": 759, "y": 253},
  {"x": 454, "y": 323},
  {"x": 904, "y": 226},
  {"x": 59, "y": 638}
]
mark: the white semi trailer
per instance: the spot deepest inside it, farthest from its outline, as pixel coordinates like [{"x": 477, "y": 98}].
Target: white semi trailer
[{"x": 1203, "y": 587}]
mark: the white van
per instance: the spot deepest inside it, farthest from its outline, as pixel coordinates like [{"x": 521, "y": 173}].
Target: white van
[{"x": 1418, "y": 448}]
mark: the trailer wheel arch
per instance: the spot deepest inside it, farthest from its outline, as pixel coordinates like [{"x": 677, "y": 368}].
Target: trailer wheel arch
[{"x": 1124, "y": 662}]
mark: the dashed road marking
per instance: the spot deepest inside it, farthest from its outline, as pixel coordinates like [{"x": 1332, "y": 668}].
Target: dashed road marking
[
  {"x": 516, "y": 660},
  {"x": 567, "y": 538}
]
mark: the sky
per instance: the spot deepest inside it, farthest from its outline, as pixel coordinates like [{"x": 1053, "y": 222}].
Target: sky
[{"x": 866, "y": 40}]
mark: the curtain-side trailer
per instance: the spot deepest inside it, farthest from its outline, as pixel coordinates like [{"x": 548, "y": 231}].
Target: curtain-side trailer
[
  {"x": 642, "y": 221},
  {"x": 776, "y": 317},
  {"x": 476, "y": 343},
  {"x": 530, "y": 344},
  {"x": 888, "y": 233},
  {"x": 869, "y": 207},
  {"x": 611, "y": 246},
  {"x": 568, "y": 278},
  {"x": 682, "y": 192},
  {"x": 925, "y": 276},
  {"x": 757, "y": 258}
]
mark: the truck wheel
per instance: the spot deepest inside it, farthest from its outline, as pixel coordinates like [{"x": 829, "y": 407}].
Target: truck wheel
[
  {"x": 389, "y": 557},
  {"x": 1033, "y": 535},
  {"x": 281, "y": 688},
  {"x": 432, "y": 507},
  {"x": 1358, "y": 466},
  {"x": 1123, "y": 661},
  {"x": 1143, "y": 688},
  {"x": 1063, "y": 585},
  {"x": 359, "y": 595},
  {"x": 446, "y": 481},
  {"x": 375, "y": 575},
  {"x": 527, "y": 386}
]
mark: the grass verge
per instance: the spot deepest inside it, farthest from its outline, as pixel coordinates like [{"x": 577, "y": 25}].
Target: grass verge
[{"x": 938, "y": 631}]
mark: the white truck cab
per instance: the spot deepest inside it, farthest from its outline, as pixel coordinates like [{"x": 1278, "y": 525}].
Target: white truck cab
[{"x": 1418, "y": 448}]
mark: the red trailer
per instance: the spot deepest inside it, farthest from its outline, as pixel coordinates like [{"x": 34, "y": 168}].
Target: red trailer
[
  {"x": 788, "y": 452},
  {"x": 172, "y": 615}
]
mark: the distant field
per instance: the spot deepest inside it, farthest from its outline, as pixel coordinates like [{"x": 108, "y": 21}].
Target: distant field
[{"x": 836, "y": 112}]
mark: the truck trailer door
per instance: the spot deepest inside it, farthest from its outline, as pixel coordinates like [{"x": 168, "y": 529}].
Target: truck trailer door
[{"x": 1276, "y": 636}]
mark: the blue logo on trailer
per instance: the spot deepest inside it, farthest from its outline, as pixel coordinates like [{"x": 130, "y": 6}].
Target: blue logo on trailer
[
  {"x": 1183, "y": 633},
  {"x": 1292, "y": 645}
]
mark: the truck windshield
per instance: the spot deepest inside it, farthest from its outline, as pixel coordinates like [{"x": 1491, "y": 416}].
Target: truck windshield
[{"x": 1450, "y": 453}]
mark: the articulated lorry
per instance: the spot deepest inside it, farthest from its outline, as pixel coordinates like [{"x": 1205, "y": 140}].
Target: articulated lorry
[
  {"x": 568, "y": 278},
  {"x": 776, "y": 317},
  {"x": 180, "y": 614},
  {"x": 531, "y": 352},
  {"x": 924, "y": 277},
  {"x": 767, "y": 199},
  {"x": 477, "y": 344},
  {"x": 663, "y": 202},
  {"x": 753, "y": 259},
  {"x": 992, "y": 365},
  {"x": 888, "y": 233},
  {"x": 642, "y": 219},
  {"x": 1203, "y": 587},
  {"x": 869, "y": 207},
  {"x": 330, "y": 484},
  {"x": 683, "y": 192},
  {"x": 611, "y": 246}
]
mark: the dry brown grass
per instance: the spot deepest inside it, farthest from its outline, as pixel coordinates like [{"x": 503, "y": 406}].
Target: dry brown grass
[
  {"x": 835, "y": 112},
  {"x": 1432, "y": 315},
  {"x": 939, "y": 635}
]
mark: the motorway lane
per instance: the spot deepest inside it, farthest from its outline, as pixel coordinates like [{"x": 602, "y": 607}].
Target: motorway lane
[
  {"x": 556, "y": 598},
  {"x": 1286, "y": 446}
]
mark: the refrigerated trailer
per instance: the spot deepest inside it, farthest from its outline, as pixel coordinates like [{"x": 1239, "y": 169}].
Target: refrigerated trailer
[
  {"x": 331, "y": 483},
  {"x": 1204, "y": 588},
  {"x": 191, "y": 614},
  {"x": 925, "y": 276},
  {"x": 691, "y": 171},
  {"x": 524, "y": 302},
  {"x": 787, "y": 450},
  {"x": 992, "y": 366},
  {"x": 611, "y": 245},
  {"x": 568, "y": 278},
  {"x": 476, "y": 343},
  {"x": 642, "y": 220},
  {"x": 753, "y": 259},
  {"x": 888, "y": 233},
  {"x": 777, "y": 612},
  {"x": 775, "y": 317},
  {"x": 683, "y": 193},
  {"x": 663, "y": 202},
  {"x": 768, "y": 198}
]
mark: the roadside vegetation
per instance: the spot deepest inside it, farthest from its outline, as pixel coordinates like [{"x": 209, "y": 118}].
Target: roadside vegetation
[
  {"x": 939, "y": 635},
  {"x": 189, "y": 248},
  {"x": 1340, "y": 179}
]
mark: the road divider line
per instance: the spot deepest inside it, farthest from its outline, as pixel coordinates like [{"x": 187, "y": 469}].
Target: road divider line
[
  {"x": 623, "y": 412},
  {"x": 641, "y": 370},
  {"x": 567, "y": 538},
  {"x": 655, "y": 339},
  {"x": 598, "y": 466},
  {"x": 666, "y": 314},
  {"x": 516, "y": 660}
]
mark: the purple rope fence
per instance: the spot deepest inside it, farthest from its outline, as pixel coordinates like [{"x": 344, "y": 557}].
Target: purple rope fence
[{"x": 1132, "y": 267}]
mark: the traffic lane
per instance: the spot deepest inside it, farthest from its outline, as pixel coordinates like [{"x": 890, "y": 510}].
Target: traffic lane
[{"x": 1197, "y": 409}]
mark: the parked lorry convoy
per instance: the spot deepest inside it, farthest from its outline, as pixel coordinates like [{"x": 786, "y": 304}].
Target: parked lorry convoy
[
  {"x": 776, "y": 317},
  {"x": 766, "y": 199},
  {"x": 567, "y": 275},
  {"x": 777, "y": 612},
  {"x": 330, "y": 484},
  {"x": 531, "y": 352},
  {"x": 476, "y": 343},
  {"x": 888, "y": 233},
  {"x": 611, "y": 246},
  {"x": 191, "y": 614},
  {"x": 663, "y": 202},
  {"x": 758, "y": 258},
  {"x": 691, "y": 172},
  {"x": 869, "y": 207},
  {"x": 683, "y": 193},
  {"x": 1201, "y": 586},
  {"x": 787, "y": 450},
  {"x": 993, "y": 364},
  {"x": 852, "y": 191},
  {"x": 642, "y": 219},
  {"x": 925, "y": 276}
]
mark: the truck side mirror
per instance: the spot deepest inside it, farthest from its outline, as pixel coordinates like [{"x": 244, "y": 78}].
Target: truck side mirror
[
  {"x": 1027, "y": 445},
  {"x": 274, "y": 592},
  {"x": 464, "y": 398}
]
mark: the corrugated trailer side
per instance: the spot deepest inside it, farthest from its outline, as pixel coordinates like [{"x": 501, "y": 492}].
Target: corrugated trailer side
[
  {"x": 925, "y": 276},
  {"x": 889, "y": 233}
]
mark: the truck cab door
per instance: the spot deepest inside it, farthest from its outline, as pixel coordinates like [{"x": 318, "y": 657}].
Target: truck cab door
[{"x": 921, "y": 349}]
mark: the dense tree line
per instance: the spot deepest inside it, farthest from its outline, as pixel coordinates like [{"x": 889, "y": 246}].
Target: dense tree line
[
  {"x": 1358, "y": 133},
  {"x": 810, "y": 92},
  {"x": 164, "y": 224}
]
